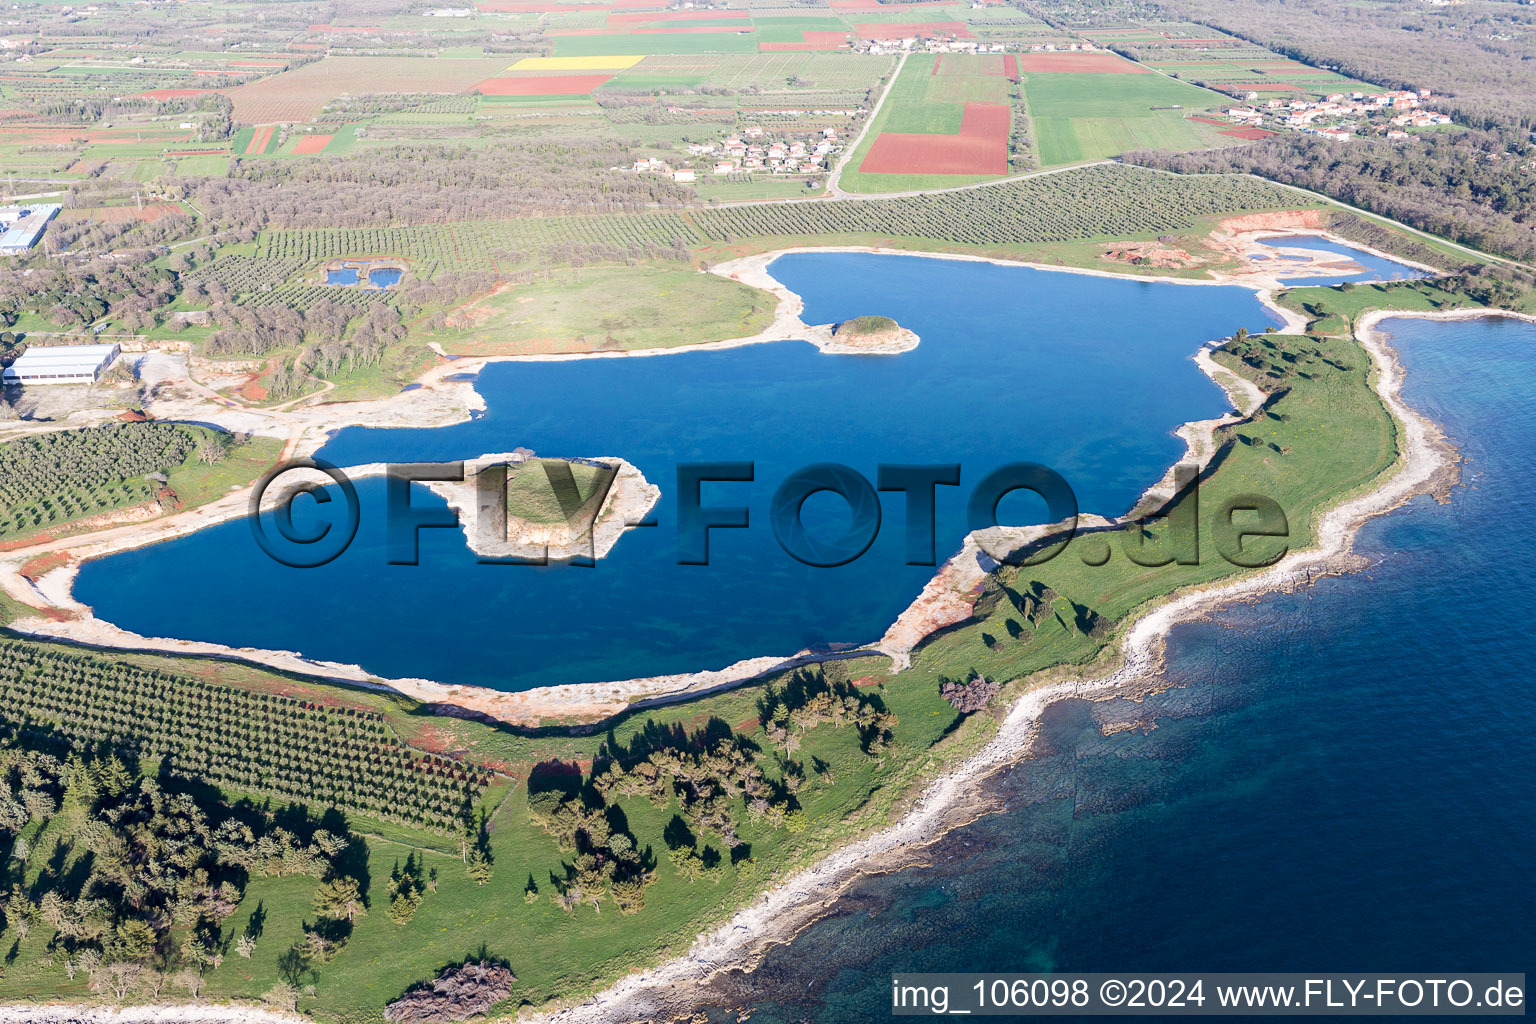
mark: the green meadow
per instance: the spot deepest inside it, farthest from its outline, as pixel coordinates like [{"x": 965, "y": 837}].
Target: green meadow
[
  {"x": 657, "y": 42},
  {"x": 1081, "y": 117},
  {"x": 921, "y": 102},
  {"x": 606, "y": 308}
]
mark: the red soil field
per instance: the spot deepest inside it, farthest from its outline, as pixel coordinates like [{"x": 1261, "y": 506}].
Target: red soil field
[
  {"x": 544, "y": 85},
  {"x": 1204, "y": 120},
  {"x": 42, "y": 565},
  {"x": 980, "y": 148},
  {"x": 1090, "y": 63},
  {"x": 299, "y": 94},
  {"x": 172, "y": 94},
  {"x": 1250, "y": 134},
  {"x": 813, "y": 41},
  {"x": 902, "y": 29},
  {"x": 259, "y": 139},
  {"x": 978, "y": 64},
  {"x": 1011, "y": 67},
  {"x": 313, "y": 143}
]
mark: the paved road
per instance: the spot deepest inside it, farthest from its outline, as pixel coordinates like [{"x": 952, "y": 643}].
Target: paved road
[
  {"x": 834, "y": 190},
  {"x": 836, "y": 193}
]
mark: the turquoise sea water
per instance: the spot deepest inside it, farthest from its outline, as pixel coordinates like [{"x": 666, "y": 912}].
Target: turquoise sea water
[
  {"x": 1341, "y": 780},
  {"x": 1088, "y": 375}
]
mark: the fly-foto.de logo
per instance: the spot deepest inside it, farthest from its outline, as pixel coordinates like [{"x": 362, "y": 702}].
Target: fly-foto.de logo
[{"x": 522, "y": 511}]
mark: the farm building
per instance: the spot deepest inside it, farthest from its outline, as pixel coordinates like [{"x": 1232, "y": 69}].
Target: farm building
[
  {"x": 24, "y": 225},
  {"x": 61, "y": 364}
]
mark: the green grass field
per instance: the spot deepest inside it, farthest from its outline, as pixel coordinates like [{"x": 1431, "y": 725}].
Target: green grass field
[
  {"x": 530, "y": 496},
  {"x": 606, "y": 308},
  {"x": 1080, "y": 117},
  {"x": 202, "y": 166},
  {"x": 659, "y": 42},
  {"x": 1335, "y": 311},
  {"x": 922, "y": 102}
]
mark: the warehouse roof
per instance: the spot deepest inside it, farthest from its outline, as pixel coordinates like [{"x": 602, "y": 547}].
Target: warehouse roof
[{"x": 60, "y": 359}]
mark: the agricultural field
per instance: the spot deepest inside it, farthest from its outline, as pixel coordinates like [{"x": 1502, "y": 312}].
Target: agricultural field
[
  {"x": 51, "y": 481},
  {"x": 1216, "y": 60},
  {"x": 767, "y": 73},
  {"x": 1126, "y": 201},
  {"x": 299, "y": 95},
  {"x": 282, "y": 747},
  {"x": 1084, "y": 113},
  {"x": 476, "y": 244},
  {"x": 1026, "y": 215},
  {"x": 504, "y": 899},
  {"x": 945, "y": 121}
]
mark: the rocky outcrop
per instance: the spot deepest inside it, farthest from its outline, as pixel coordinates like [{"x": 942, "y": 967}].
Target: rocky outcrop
[
  {"x": 589, "y": 533},
  {"x": 865, "y": 335},
  {"x": 459, "y": 994}
]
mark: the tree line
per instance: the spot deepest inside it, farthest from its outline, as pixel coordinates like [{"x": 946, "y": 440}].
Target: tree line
[
  {"x": 1480, "y": 58},
  {"x": 1465, "y": 186},
  {"x": 432, "y": 184},
  {"x": 134, "y": 882}
]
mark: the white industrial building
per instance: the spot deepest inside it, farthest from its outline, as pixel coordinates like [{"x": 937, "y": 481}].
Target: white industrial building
[
  {"x": 61, "y": 364},
  {"x": 24, "y": 225}
]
